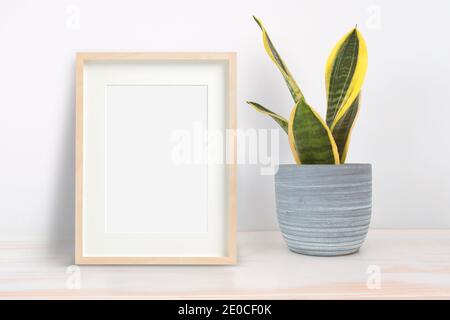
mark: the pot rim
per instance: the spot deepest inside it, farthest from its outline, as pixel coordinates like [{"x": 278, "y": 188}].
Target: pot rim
[{"x": 327, "y": 165}]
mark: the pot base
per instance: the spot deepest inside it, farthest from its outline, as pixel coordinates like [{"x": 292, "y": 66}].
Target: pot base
[{"x": 324, "y": 254}]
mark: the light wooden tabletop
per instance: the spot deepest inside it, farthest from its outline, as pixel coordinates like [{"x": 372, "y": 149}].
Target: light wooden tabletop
[{"x": 391, "y": 264}]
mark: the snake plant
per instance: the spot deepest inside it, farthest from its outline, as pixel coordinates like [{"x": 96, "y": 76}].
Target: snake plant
[{"x": 313, "y": 140}]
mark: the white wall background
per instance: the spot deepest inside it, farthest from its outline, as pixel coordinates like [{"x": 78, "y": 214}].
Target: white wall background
[{"x": 402, "y": 130}]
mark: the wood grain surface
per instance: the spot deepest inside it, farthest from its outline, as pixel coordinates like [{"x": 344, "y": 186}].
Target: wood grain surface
[{"x": 408, "y": 264}]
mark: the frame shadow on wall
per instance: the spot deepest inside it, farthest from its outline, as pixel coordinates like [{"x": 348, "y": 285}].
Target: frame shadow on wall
[{"x": 62, "y": 206}]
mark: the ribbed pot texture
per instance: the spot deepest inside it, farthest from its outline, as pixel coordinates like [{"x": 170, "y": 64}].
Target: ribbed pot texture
[{"x": 324, "y": 210}]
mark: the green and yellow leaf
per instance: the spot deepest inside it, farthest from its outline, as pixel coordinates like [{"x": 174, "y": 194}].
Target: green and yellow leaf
[
  {"x": 344, "y": 75},
  {"x": 342, "y": 130},
  {"x": 310, "y": 139},
  {"x": 278, "y": 119},
  {"x": 273, "y": 54}
]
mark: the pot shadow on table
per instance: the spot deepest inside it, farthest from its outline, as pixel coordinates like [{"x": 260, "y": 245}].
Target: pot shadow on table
[{"x": 61, "y": 247}]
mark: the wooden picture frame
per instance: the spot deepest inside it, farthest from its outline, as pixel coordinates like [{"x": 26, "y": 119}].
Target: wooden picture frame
[{"x": 114, "y": 92}]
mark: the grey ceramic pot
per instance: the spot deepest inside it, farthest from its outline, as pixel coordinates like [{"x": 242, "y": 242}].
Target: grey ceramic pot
[{"x": 324, "y": 210}]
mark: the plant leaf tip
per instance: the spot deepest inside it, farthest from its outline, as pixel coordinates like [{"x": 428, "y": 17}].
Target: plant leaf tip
[{"x": 258, "y": 21}]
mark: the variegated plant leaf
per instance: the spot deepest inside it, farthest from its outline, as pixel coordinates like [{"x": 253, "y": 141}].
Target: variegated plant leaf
[
  {"x": 278, "y": 119},
  {"x": 310, "y": 139},
  {"x": 344, "y": 76},
  {"x": 273, "y": 54},
  {"x": 342, "y": 130}
]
